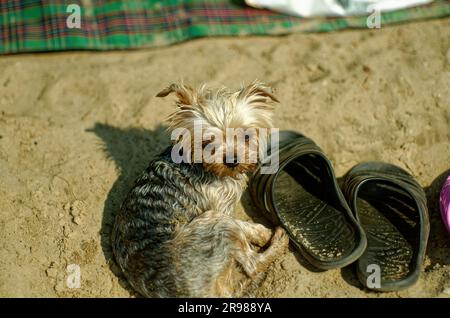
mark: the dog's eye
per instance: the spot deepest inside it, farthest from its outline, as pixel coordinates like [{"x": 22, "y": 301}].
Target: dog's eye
[{"x": 247, "y": 137}]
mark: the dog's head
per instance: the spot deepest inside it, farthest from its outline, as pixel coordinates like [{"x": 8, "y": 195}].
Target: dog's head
[{"x": 225, "y": 131}]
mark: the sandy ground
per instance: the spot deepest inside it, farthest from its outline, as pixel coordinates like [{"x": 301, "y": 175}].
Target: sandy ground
[{"x": 76, "y": 129}]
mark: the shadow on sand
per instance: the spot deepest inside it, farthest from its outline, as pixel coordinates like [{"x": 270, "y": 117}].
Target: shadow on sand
[{"x": 131, "y": 149}]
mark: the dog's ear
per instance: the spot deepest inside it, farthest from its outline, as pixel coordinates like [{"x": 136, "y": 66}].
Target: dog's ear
[
  {"x": 257, "y": 91},
  {"x": 186, "y": 95}
]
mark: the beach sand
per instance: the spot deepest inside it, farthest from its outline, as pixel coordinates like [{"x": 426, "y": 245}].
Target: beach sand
[{"x": 76, "y": 129}]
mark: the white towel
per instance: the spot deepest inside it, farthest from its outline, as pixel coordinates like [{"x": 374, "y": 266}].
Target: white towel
[{"x": 311, "y": 8}]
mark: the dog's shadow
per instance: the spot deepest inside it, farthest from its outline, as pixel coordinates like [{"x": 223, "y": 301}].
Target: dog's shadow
[{"x": 131, "y": 149}]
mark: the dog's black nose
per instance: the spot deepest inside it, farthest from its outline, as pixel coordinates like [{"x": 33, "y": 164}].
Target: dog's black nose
[{"x": 232, "y": 164}]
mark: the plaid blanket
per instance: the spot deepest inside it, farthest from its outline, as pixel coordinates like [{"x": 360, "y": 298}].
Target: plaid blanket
[{"x": 35, "y": 25}]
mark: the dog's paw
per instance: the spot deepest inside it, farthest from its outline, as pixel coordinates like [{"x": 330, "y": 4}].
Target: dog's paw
[
  {"x": 263, "y": 235},
  {"x": 280, "y": 238}
]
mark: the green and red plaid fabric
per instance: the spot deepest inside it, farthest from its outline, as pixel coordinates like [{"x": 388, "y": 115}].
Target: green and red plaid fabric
[{"x": 30, "y": 26}]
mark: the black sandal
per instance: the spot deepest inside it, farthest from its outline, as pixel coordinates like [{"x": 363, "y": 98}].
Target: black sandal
[
  {"x": 391, "y": 207},
  {"x": 304, "y": 197}
]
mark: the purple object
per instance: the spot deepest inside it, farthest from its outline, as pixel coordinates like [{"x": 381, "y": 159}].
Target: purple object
[{"x": 445, "y": 203}]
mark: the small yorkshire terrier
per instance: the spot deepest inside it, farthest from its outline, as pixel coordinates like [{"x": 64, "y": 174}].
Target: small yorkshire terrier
[{"x": 175, "y": 235}]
